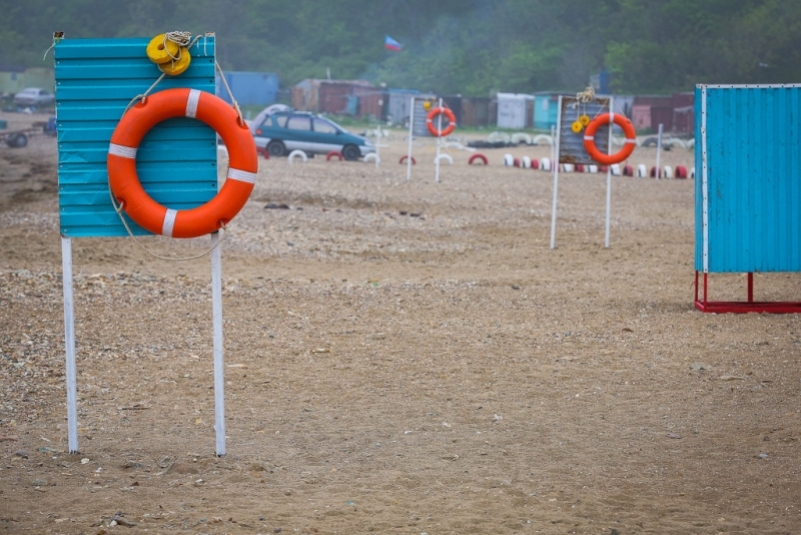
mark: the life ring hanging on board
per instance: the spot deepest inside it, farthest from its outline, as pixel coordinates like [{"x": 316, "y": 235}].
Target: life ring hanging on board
[
  {"x": 430, "y": 121},
  {"x": 124, "y": 182},
  {"x": 628, "y": 146}
]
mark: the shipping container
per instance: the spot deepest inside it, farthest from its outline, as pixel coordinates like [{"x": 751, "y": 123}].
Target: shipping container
[{"x": 249, "y": 88}]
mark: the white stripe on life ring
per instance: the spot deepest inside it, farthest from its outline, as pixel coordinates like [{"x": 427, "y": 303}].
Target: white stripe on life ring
[
  {"x": 192, "y": 102},
  {"x": 122, "y": 151},
  {"x": 242, "y": 176},
  {"x": 169, "y": 222},
  {"x": 631, "y": 141},
  {"x": 589, "y": 138}
]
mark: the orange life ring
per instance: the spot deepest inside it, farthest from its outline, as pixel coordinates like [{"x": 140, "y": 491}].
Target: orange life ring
[
  {"x": 124, "y": 182},
  {"x": 622, "y": 154},
  {"x": 430, "y": 121}
]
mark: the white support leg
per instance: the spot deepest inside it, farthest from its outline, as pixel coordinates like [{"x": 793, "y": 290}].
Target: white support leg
[
  {"x": 439, "y": 143},
  {"x": 556, "y": 173},
  {"x": 658, "y": 152},
  {"x": 411, "y": 134},
  {"x": 217, "y": 328},
  {"x": 609, "y": 176},
  {"x": 69, "y": 342}
]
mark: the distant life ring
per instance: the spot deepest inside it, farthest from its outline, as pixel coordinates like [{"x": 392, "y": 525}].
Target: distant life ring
[
  {"x": 628, "y": 146},
  {"x": 333, "y": 154},
  {"x": 430, "y": 121},
  {"x": 477, "y": 156},
  {"x": 124, "y": 182},
  {"x": 406, "y": 157}
]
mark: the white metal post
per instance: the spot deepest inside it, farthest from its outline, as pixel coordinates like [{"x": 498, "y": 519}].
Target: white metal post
[
  {"x": 553, "y": 144},
  {"x": 555, "y": 164},
  {"x": 411, "y": 134},
  {"x": 658, "y": 152},
  {"x": 377, "y": 144},
  {"x": 704, "y": 182},
  {"x": 609, "y": 172},
  {"x": 69, "y": 342},
  {"x": 217, "y": 329},
  {"x": 439, "y": 142}
]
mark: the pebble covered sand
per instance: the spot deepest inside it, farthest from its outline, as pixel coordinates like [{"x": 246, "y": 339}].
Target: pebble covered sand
[{"x": 400, "y": 357}]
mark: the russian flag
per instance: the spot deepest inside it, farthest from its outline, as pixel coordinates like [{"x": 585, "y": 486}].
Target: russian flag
[{"x": 391, "y": 44}]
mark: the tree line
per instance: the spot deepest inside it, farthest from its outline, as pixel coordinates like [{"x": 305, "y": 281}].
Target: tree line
[{"x": 471, "y": 47}]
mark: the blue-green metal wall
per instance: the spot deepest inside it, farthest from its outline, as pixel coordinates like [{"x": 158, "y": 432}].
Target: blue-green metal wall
[
  {"x": 177, "y": 160},
  {"x": 747, "y": 147}
]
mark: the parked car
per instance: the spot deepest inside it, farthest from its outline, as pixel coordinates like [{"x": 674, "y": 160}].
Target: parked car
[
  {"x": 34, "y": 96},
  {"x": 282, "y": 132}
]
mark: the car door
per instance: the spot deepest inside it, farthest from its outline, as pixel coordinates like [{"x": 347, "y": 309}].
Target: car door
[
  {"x": 325, "y": 136},
  {"x": 298, "y": 133}
]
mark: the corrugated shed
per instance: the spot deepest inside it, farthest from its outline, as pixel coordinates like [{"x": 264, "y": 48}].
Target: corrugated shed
[
  {"x": 370, "y": 102},
  {"x": 329, "y": 96},
  {"x": 398, "y": 104},
  {"x": 641, "y": 116},
  {"x": 475, "y": 111},
  {"x": 748, "y": 185},
  {"x": 177, "y": 160},
  {"x": 513, "y": 110},
  {"x": 546, "y": 110},
  {"x": 662, "y": 115},
  {"x": 571, "y": 144}
]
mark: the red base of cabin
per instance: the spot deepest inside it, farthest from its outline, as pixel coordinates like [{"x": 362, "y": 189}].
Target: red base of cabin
[{"x": 741, "y": 307}]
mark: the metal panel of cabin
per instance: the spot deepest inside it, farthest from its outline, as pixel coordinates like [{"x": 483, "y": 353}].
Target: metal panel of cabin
[
  {"x": 177, "y": 160},
  {"x": 748, "y": 185},
  {"x": 571, "y": 144}
]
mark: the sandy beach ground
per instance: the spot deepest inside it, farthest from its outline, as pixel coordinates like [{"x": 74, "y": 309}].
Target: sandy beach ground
[{"x": 401, "y": 357}]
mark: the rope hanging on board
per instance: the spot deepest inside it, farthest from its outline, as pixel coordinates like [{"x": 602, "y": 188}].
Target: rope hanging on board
[{"x": 170, "y": 52}]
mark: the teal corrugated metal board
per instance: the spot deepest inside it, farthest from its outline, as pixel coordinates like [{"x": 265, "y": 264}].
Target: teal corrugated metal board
[
  {"x": 177, "y": 159},
  {"x": 753, "y": 139}
]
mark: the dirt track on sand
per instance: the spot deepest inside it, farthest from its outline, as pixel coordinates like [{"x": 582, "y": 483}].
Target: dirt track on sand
[{"x": 401, "y": 357}]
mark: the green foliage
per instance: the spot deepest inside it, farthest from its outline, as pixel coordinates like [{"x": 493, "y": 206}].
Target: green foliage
[{"x": 472, "y": 47}]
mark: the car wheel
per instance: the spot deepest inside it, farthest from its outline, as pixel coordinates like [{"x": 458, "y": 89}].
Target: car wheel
[
  {"x": 17, "y": 141},
  {"x": 275, "y": 148},
  {"x": 351, "y": 152}
]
